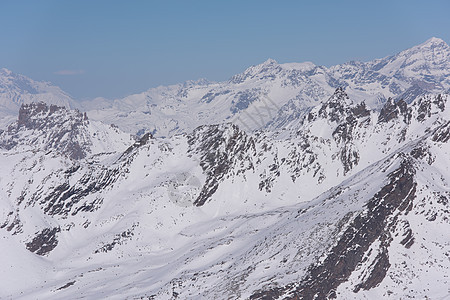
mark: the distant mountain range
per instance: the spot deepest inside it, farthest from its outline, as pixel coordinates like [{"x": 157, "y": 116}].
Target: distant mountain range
[
  {"x": 262, "y": 94},
  {"x": 288, "y": 181}
]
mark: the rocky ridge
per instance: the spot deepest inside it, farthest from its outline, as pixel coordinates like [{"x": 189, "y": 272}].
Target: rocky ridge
[{"x": 338, "y": 205}]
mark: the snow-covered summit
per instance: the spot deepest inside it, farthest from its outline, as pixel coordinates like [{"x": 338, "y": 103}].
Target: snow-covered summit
[
  {"x": 5, "y": 72},
  {"x": 425, "y": 63},
  {"x": 433, "y": 42}
]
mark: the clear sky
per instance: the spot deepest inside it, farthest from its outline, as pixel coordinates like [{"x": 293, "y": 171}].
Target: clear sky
[{"x": 116, "y": 48}]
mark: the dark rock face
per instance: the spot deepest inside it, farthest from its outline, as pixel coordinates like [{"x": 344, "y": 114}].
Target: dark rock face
[
  {"x": 335, "y": 109},
  {"x": 221, "y": 147},
  {"x": 300, "y": 159},
  {"x": 342, "y": 115},
  {"x": 66, "y": 285},
  {"x": 12, "y": 223},
  {"x": 62, "y": 198},
  {"x": 423, "y": 152},
  {"x": 268, "y": 295},
  {"x": 44, "y": 242},
  {"x": 343, "y": 134},
  {"x": 340, "y": 110},
  {"x": 142, "y": 141},
  {"x": 119, "y": 239},
  {"x": 424, "y": 110},
  {"x": 360, "y": 110},
  {"x": 53, "y": 128},
  {"x": 373, "y": 224},
  {"x": 408, "y": 240},
  {"x": 392, "y": 110},
  {"x": 425, "y": 105},
  {"x": 210, "y": 96},
  {"x": 442, "y": 134},
  {"x": 342, "y": 260}
]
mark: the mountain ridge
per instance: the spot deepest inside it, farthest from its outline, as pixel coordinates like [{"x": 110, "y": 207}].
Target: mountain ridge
[
  {"x": 289, "y": 181},
  {"x": 263, "y": 93},
  {"x": 271, "y": 86},
  {"x": 220, "y": 212}
]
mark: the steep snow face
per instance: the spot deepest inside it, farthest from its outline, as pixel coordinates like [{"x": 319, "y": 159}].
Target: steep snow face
[
  {"x": 341, "y": 205},
  {"x": 423, "y": 68},
  {"x": 424, "y": 62},
  {"x": 16, "y": 90}
]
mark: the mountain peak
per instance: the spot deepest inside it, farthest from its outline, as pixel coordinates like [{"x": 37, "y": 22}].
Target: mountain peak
[
  {"x": 5, "y": 72},
  {"x": 423, "y": 63},
  {"x": 303, "y": 66},
  {"x": 340, "y": 96},
  {"x": 261, "y": 71},
  {"x": 36, "y": 114},
  {"x": 431, "y": 45},
  {"x": 270, "y": 61},
  {"x": 335, "y": 109},
  {"x": 434, "y": 41},
  {"x": 48, "y": 127}
]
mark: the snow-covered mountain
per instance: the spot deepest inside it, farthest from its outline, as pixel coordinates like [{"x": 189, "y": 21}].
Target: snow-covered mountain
[
  {"x": 347, "y": 202},
  {"x": 342, "y": 192},
  {"x": 272, "y": 93},
  {"x": 16, "y": 90},
  {"x": 266, "y": 95}
]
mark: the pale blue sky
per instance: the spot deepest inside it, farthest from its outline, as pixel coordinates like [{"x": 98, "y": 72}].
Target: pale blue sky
[{"x": 115, "y": 48}]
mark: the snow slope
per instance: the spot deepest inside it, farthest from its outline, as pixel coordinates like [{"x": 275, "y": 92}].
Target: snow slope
[{"x": 347, "y": 202}]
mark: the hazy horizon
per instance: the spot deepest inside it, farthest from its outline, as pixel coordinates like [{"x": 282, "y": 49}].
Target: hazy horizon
[{"x": 108, "y": 49}]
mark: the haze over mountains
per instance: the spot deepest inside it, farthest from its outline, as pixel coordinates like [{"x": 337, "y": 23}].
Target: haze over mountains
[{"x": 289, "y": 181}]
